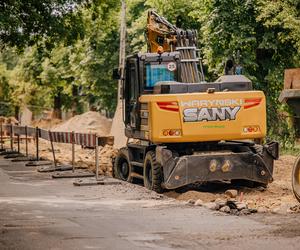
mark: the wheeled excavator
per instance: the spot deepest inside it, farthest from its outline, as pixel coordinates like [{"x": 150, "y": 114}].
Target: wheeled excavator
[{"x": 183, "y": 130}]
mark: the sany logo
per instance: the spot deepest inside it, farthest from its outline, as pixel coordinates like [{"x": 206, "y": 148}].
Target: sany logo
[
  {"x": 206, "y": 111},
  {"x": 229, "y": 112},
  {"x": 210, "y": 114}
]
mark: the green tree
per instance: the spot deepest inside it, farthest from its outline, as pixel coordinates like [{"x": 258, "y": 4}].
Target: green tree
[
  {"x": 266, "y": 34},
  {"x": 101, "y": 55},
  {"x": 6, "y": 108},
  {"x": 25, "y": 22},
  {"x": 280, "y": 49},
  {"x": 25, "y": 80}
]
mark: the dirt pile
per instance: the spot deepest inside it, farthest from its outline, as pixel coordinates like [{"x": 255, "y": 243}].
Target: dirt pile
[
  {"x": 277, "y": 197},
  {"x": 193, "y": 195},
  {"x": 89, "y": 122},
  {"x": 45, "y": 123}
]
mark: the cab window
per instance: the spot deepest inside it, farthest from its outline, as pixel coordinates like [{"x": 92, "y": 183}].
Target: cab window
[{"x": 159, "y": 72}]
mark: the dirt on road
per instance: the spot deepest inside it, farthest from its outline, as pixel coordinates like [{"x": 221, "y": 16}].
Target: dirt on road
[{"x": 277, "y": 197}]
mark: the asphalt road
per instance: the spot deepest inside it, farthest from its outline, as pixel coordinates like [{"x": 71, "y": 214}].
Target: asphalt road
[{"x": 38, "y": 212}]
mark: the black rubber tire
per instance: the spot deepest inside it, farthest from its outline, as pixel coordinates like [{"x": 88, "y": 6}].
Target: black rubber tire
[
  {"x": 121, "y": 171},
  {"x": 153, "y": 176},
  {"x": 296, "y": 179}
]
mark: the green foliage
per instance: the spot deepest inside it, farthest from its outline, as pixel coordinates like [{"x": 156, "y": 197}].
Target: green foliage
[
  {"x": 25, "y": 22},
  {"x": 280, "y": 31},
  {"x": 5, "y": 93},
  {"x": 102, "y": 48},
  {"x": 77, "y": 71}
]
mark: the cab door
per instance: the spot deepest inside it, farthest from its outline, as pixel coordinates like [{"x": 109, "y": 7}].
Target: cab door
[{"x": 131, "y": 94}]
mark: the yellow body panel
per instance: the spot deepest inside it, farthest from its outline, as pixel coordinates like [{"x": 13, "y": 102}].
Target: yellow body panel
[{"x": 200, "y": 117}]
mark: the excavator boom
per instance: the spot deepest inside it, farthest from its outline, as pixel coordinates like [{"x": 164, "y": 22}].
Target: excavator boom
[{"x": 162, "y": 34}]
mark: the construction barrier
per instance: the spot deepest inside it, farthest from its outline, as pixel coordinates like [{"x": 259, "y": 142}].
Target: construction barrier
[{"x": 85, "y": 140}]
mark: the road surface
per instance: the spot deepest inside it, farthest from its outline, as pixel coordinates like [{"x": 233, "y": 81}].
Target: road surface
[{"x": 38, "y": 212}]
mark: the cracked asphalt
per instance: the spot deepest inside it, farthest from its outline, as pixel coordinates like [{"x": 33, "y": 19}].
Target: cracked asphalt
[{"x": 38, "y": 212}]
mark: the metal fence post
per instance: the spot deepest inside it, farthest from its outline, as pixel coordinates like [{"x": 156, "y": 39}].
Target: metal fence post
[
  {"x": 52, "y": 148},
  {"x": 26, "y": 141},
  {"x": 11, "y": 137},
  {"x": 37, "y": 143},
  {"x": 97, "y": 158},
  {"x": 1, "y": 132},
  {"x": 18, "y": 138},
  {"x": 73, "y": 152}
]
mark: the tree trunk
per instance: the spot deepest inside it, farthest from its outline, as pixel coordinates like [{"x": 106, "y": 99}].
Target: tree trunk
[
  {"x": 75, "y": 104},
  {"x": 57, "y": 106},
  {"x": 17, "y": 112}
]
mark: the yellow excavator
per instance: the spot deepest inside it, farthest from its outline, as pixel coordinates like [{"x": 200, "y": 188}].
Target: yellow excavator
[{"x": 181, "y": 129}]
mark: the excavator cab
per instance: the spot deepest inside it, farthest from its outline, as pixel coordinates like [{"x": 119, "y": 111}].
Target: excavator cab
[{"x": 142, "y": 73}]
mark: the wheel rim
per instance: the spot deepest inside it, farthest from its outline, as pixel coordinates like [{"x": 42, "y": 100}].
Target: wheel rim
[
  {"x": 124, "y": 170},
  {"x": 296, "y": 179}
]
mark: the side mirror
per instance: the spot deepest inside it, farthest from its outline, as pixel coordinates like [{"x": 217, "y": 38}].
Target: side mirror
[{"x": 116, "y": 74}]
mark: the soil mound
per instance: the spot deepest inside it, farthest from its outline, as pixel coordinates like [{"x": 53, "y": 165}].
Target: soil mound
[
  {"x": 89, "y": 122},
  {"x": 45, "y": 123}
]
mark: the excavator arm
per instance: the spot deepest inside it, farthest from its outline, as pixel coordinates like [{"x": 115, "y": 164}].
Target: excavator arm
[
  {"x": 164, "y": 36},
  {"x": 160, "y": 33}
]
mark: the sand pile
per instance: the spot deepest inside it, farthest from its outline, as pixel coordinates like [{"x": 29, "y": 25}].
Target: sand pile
[
  {"x": 89, "y": 122},
  {"x": 45, "y": 123}
]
